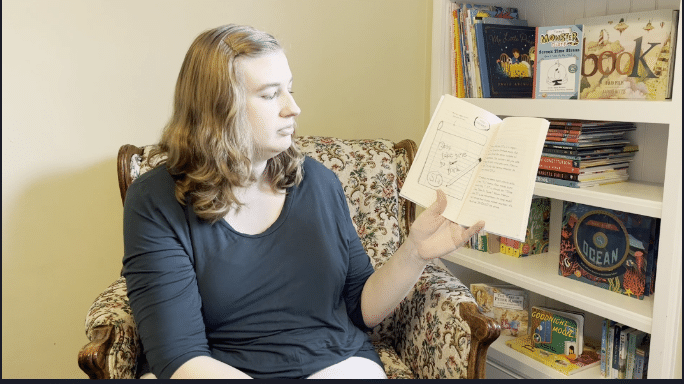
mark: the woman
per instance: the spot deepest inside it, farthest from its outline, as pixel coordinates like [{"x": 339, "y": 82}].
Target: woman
[{"x": 241, "y": 259}]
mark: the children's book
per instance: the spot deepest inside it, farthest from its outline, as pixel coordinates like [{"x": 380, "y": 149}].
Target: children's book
[
  {"x": 556, "y": 331},
  {"x": 557, "y": 61},
  {"x": 607, "y": 248},
  {"x": 506, "y": 60},
  {"x": 629, "y": 55},
  {"x": 634, "y": 339},
  {"x": 505, "y": 303},
  {"x": 567, "y": 364},
  {"x": 486, "y": 166},
  {"x": 537, "y": 235},
  {"x": 641, "y": 359}
]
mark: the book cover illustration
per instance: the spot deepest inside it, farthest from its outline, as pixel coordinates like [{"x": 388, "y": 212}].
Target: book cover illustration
[
  {"x": 507, "y": 304},
  {"x": 629, "y": 55},
  {"x": 507, "y": 60},
  {"x": 565, "y": 363},
  {"x": 610, "y": 249},
  {"x": 537, "y": 234},
  {"x": 558, "y": 332},
  {"x": 558, "y": 62}
]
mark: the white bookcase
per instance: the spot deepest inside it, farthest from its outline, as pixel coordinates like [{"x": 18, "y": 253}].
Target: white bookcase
[{"x": 654, "y": 189}]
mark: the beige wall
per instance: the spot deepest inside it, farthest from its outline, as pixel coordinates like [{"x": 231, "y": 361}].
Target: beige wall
[{"x": 82, "y": 77}]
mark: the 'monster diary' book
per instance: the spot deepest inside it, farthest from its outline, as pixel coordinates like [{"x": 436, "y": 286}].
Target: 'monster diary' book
[
  {"x": 557, "y": 62},
  {"x": 486, "y": 166}
]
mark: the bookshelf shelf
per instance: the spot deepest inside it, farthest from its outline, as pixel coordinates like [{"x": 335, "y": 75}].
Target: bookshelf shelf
[
  {"x": 539, "y": 274},
  {"x": 642, "y": 198},
  {"x": 654, "y": 190},
  {"x": 532, "y": 368}
]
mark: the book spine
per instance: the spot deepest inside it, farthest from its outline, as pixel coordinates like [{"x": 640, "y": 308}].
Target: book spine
[
  {"x": 557, "y": 175},
  {"x": 609, "y": 349},
  {"x": 482, "y": 58},
  {"x": 634, "y": 338},
  {"x": 535, "y": 66},
  {"x": 622, "y": 362},
  {"x": 560, "y": 182},
  {"x": 561, "y": 151},
  {"x": 604, "y": 345},
  {"x": 559, "y": 168}
]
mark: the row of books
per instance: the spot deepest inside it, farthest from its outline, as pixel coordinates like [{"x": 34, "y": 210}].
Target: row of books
[
  {"x": 536, "y": 235},
  {"x": 556, "y": 338},
  {"x": 622, "y": 56},
  {"x": 610, "y": 249},
  {"x": 580, "y": 154},
  {"x": 624, "y": 351}
]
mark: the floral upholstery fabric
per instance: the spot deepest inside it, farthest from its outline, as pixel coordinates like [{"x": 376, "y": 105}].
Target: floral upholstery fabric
[{"x": 424, "y": 338}]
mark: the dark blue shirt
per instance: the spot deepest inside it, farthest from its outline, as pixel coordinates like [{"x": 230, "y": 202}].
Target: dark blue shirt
[{"x": 284, "y": 303}]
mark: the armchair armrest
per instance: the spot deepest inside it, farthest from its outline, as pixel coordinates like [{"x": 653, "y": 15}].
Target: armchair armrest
[
  {"x": 114, "y": 347},
  {"x": 439, "y": 331}
]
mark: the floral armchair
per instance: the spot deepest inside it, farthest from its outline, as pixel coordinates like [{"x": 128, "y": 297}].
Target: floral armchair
[{"x": 436, "y": 332}]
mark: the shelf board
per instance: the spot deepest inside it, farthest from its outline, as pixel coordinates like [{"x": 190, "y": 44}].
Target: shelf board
[
  {"x": 539, "y": 274},
  {"x": 637, "y": 111},
  {"x": 632, "y": 196},
  {"x": 504, "y": 355}
]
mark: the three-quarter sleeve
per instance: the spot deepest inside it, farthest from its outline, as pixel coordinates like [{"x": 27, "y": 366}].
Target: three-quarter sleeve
[
  {"x": 360, "y": 267},
  {"x": 161, "y": 281}
]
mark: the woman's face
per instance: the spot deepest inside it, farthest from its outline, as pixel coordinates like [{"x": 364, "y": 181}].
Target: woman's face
[{"x": 271, "y": 110}]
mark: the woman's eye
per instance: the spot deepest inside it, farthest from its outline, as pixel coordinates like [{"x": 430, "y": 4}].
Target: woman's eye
[{"x": 270, "y": 97}]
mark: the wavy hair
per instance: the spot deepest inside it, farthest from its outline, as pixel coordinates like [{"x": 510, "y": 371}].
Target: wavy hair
[{"x": 208, "y": 141}]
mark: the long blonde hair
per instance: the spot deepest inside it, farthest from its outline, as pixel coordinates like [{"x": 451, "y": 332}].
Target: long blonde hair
[{"x": 207, "y": 142}]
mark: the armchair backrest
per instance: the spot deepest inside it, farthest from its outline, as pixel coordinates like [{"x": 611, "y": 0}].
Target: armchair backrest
[{"x": 372, "y": 173}]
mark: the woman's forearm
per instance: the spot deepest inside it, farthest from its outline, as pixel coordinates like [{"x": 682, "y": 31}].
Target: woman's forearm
[
  {"x": 205, "y": 367},
  {"x": 388, "y": 286}
]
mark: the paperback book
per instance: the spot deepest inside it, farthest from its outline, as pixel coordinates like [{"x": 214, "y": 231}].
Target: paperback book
[
  {"x": 485, "y": 165},
  {"x": 610, "y": 249},
  {"x": 557, "y": 61},
  {"x": 629, "y": 55},
  {"x": 505, "y": 303}
]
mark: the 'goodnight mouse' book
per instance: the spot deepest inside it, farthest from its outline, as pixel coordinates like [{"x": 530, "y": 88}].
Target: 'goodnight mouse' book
[{"x": 486, "y": 166}]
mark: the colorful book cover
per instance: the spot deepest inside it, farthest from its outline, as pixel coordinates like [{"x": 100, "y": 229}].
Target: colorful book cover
[
  {"x": 634, "y": 339},
  {"x": 557, "y": 62},
  {"x": 607, "y": 248},
  {"x": 505, "y": 303},
  {"x": 537, "y": 234},
  {"x": 567, "y": 364},
  {"x": 555, "y": 331},
  {"x": 457, "y": 57},
  {"x": 629, "y": 55},
  {"x": 507, "y": 60}
]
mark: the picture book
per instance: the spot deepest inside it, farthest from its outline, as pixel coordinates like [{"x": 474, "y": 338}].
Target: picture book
[
  {"x": 557, "y": 61},
  {"x": 606, "y": 345},
  {"x": 556, "y": 331},
  {"x": 608, "y": 248},
  {"x": 486, "y": 166},
  {"x": 629, "y": 55},
  {"x": 641, "y": 359},
  {"x": 537, "y": 234},
  {"x": 457, "y": 83},
  {"x": 506, "y": 60},
  {"x": 469, "y": 12},
  {"x": 565, "y": 363},
  {"x": 505, "y": 303}
]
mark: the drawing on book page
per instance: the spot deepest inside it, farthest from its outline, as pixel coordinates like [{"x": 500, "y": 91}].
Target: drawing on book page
[{"x": 455, "y": 152}]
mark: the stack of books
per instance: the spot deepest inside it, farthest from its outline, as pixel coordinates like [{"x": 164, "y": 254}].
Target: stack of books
[
  {"x": 581, "y": 154},
  {"x": 624, "y": 351},
  {"x": 557, "y": 340}
]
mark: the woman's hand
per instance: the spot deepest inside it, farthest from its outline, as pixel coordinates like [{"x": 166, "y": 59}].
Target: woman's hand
[{"x": 434, "y": 236}]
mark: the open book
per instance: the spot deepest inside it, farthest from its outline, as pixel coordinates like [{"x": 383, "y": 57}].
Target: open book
[{"x": 486, "y": 166}]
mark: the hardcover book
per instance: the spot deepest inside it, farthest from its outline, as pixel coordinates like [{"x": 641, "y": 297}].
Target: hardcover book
[
  {"x": 537, "y": 235},
  {"x": 567, "y": 364},
  {"x": 610, "y": 249},
  {"x": 485, "y": 165},
  {"x": 557, "y": 61},
  {"x": 506, "y": 59},
  {"x": 629, "y": 55},
  {"x": 505, "y": 303},
  {"x": 556, "y": 331}
]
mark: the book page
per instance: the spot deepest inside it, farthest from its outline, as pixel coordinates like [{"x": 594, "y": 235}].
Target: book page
[
  {"x": 452, "y": 148},
  {"x": 502, "y": 193}
]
